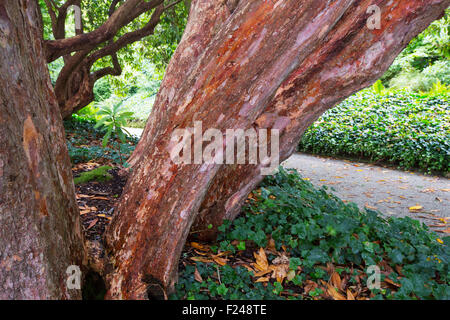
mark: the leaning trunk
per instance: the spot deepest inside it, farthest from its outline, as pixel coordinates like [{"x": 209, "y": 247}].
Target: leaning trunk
[
  {"x": 76, "y": 92},
  {"x": 40, "y": 233},
  {"x": 275, "y": 65}
]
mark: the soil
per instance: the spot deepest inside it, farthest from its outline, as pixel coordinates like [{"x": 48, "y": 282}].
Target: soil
[{"x": 97, "y": 201}]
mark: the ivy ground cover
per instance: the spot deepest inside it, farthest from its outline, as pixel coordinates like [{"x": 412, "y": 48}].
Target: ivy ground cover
[{"x": 294, "y": 241}]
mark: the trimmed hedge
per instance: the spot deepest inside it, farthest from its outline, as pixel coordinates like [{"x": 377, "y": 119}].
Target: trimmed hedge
[{"x": 410, "y": 130}]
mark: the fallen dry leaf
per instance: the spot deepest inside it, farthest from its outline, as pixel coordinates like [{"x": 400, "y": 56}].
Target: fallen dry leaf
[
  {"x": 261, "y": 260},
  {"x": 280, "y": 272},
  {"x": 199, "y": 246},
  {"x": 392, "y": 282},
  {"x": 220, "y": 261},
  {"x": 262, "y": 273},
  {"x": 202, "y": 253},
  {"x": 271, "y": 245},
  {"x": 350, "y": 295},
  {"x": 201, "y": 259},
  {"x": 335, "y": 280},
  {"x": 290, "y": 275},
  {"x": 441, "y": 225},
  {"x": 93, "y": 223},
  {"x": 332, "y": 291},
  {"x": 310, "y": 285},
  {"x": 84, "y": 196},
  {"x": 415, "y": 208},
  {"x": 99, "y": 198},
  {"x": 197, "y": 276},
  {"x": 248, "y": 268}
]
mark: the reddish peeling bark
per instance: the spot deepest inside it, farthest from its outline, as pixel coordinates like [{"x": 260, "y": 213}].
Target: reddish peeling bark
[
  {"x": 346, "y": 62},
  {"x": 40, "y": 232},
  {"x": 261, "y": 64},
  {"x": 74, "y": 87}
]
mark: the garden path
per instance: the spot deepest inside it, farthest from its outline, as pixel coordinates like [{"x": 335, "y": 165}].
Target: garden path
[{"x": 392, "y": 192}]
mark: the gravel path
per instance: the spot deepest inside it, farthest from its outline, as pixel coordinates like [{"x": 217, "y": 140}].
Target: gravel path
[{"x": 392, "y": 192}]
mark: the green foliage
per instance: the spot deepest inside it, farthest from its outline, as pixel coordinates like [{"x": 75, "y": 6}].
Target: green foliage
[
  {"x": 143, "y": 62},
  {"x": 83, "y": 142},
  {"x": 112, "y": 121},
  {"x": 439, "y": 89},
  {"x": 236, "y": 284},
  {"x": 54, "y": 69},
  {"x": 160, "y": 47},
  {"x": 102, "y": 90},
  {"x": 418, "y": 81},
  {"x": 89, "y": 112},
  {"x": 411, "y": 130},
  {"x": 317, "y": 228},
  {"x": 139, "y": 88},
  {"x": 99, "y": 174},
  {"x": 434, "y": 42},
  {"x": 439, "y": 71},
  {"x": 378, "y": 87}
]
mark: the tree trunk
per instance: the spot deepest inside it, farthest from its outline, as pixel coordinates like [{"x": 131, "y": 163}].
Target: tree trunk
[
  {"x": 342, "y": 65},
  {"x": 76, "y": 93},
  {"x": 258, "y": 64},
  {"x": 40, "y": 232}
]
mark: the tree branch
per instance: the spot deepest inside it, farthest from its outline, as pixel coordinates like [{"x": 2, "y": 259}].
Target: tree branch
[
  {"x": 51, "y": 11},
  {"x": 59, "y": 31},
  {"x": 112, "y": 7},
  {"x": 126, "y": 13},
  {"x": 172, "y": 4},
  {"x": 129, "y": 37},
  {"x": 116, "y": 70}
]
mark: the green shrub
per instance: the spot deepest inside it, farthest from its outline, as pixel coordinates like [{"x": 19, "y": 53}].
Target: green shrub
[
  {"x": 89, "y": 112},
  {"x": 439, "y": 70},
  {"x": 391, "y": 73},
  {"x": 102, "y": 90},
  {"x": 84, "y": 142},
  {"x": 424, "y": 61},
  {"x": 316, "y": 228},
  {"x": 411, "y": 130},
  {"x": 414, "y": 81}
]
